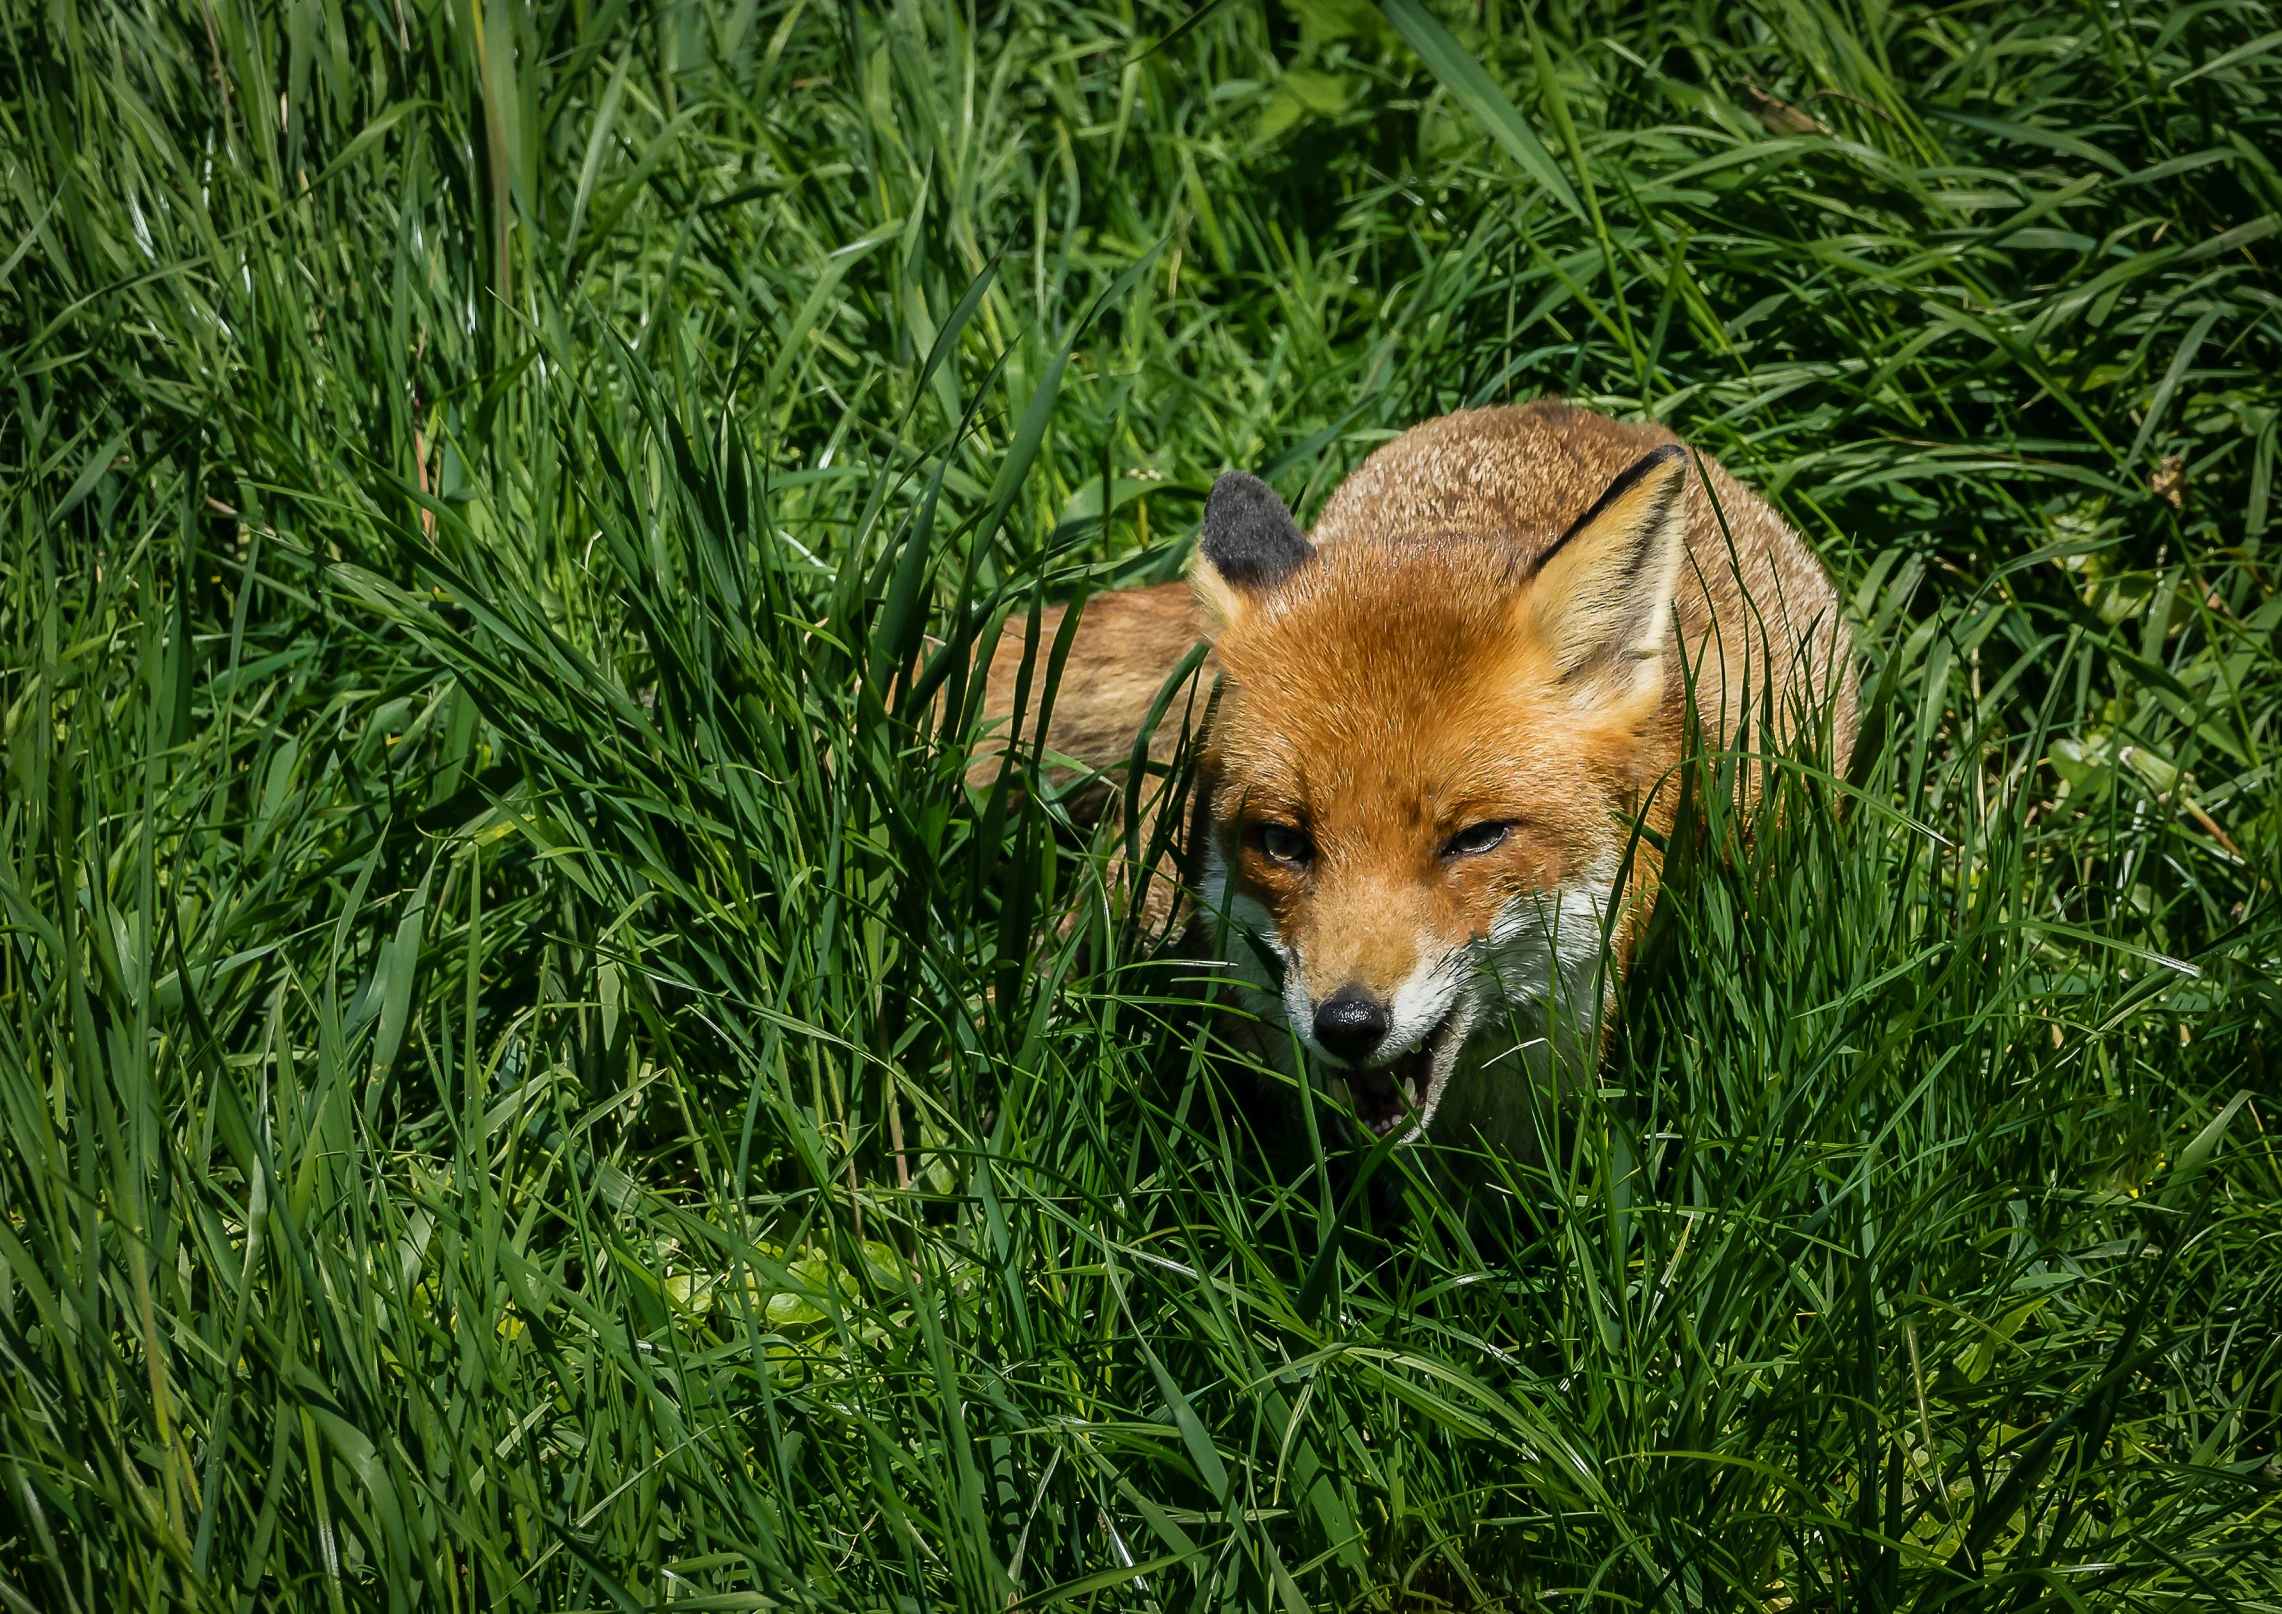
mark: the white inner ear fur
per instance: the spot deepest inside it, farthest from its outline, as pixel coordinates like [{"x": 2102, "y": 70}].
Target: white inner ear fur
[
  {"x": 1604, "y": 599},
  {"x": 1222, "y": 603}
]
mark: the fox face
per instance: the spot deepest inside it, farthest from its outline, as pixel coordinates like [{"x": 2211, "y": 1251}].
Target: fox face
[{"x": 1423, "y": 783}]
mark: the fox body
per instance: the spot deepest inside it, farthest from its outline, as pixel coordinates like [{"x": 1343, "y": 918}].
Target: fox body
[{"x": 1443, "y": 719}]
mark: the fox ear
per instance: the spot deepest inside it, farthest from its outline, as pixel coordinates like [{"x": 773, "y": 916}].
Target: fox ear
[
  {"x": 1603, "y": 593},
  {"x": 1250, "y": 543}
]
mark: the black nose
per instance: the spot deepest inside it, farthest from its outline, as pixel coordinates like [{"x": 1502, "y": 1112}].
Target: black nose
[{"x": 1350, "y": 1022}]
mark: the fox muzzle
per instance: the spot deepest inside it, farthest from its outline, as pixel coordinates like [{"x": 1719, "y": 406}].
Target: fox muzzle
[{"x": 1350, "y": 1023}]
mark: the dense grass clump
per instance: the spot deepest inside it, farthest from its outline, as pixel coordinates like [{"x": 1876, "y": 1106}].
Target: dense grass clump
[{"x": 529, "y": 1081}]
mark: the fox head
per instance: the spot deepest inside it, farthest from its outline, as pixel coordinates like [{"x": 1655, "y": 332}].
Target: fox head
[{"x": 1423, "y": 780}]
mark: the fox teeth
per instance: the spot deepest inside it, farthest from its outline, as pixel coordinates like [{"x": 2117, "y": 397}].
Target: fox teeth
[{"x": 1410, "y": 1090}]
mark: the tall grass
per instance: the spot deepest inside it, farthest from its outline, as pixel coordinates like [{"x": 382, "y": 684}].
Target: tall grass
[{"x": 529, "y": 1081}]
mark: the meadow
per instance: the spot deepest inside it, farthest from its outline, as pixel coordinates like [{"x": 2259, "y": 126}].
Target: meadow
[{"x": 529, "y": 1080}]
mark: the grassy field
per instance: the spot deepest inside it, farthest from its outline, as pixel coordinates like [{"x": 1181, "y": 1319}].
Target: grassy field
[{"x": 527, "y": 1081}]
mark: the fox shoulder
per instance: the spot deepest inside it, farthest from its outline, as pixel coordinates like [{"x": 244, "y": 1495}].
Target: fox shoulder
[{"x": 1128, "y": 643}]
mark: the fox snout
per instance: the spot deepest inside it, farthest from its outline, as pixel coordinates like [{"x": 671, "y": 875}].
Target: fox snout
[
  {"x": 1390, "y": 1047},
  {"x": 1371, "y": 967},
  {"x": 1351, "y": 1023}
]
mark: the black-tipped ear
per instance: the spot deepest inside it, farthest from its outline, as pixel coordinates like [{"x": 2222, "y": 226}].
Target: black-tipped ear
[
  {"x": 1249, "y": 538},
  {"x": 1649, "y": 465},
  {"x": 1602, "y": 596}
]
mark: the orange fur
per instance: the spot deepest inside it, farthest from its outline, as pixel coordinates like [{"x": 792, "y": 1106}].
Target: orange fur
[
  {"x": 1441, "y": 727},
  {"x": 1393, "y": 696}
]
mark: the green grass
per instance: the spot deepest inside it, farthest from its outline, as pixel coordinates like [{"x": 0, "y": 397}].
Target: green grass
[{"x": 528, "y": 1083}]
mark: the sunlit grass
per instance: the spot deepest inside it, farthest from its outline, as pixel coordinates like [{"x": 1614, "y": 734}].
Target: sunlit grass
[{"x": 529, "y": 1080}]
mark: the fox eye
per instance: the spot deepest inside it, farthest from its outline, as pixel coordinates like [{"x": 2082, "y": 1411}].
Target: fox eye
[
  {"x": 1286, "y": 844},
  {"x": 1480, "y": 838}
]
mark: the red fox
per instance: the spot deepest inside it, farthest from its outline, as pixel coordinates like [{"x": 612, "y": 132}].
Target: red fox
[{"x": 1442, "y": 717}]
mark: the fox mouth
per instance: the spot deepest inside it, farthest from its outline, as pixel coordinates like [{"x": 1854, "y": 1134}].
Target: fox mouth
[{"x": 1386, "y": 1096}]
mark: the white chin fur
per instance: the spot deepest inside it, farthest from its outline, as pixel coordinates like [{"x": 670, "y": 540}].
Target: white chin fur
[{"x": 1452, "y": 1043}]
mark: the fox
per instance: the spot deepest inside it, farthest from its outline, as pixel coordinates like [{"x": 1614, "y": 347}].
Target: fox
[{"x": 1442, "y": 752}]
